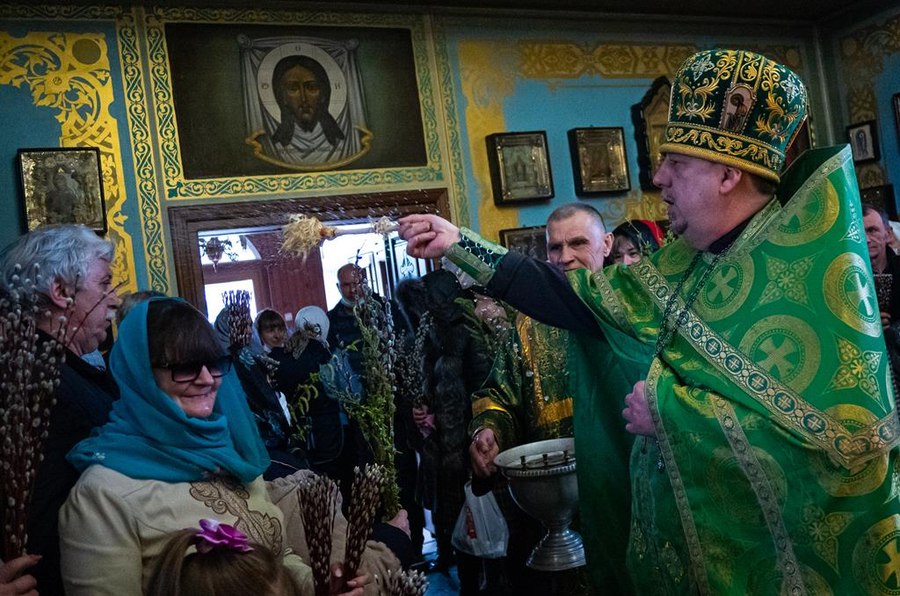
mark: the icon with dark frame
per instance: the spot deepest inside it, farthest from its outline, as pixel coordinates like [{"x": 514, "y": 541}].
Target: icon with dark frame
[
  {"x": 863, "y": 139},
  {"x": 520, "y": 167}
]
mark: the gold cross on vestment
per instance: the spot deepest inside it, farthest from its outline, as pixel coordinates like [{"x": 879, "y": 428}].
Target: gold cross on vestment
[
  {"x": 721, "y": 283},
  {"x": 776, "y": 356},
  {"x": 862, "y": 292}
]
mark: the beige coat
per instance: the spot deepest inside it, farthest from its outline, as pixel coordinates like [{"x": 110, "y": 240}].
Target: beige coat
[{"x": 113, "y": 528}]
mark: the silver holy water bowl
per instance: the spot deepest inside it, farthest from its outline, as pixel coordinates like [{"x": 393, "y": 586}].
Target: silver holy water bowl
[{"x": 542, "y": 482}]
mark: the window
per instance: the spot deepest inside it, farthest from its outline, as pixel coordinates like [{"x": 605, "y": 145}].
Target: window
[{"x": 215, "y": 303}]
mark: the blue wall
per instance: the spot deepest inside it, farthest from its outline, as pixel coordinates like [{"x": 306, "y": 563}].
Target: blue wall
[{"x": 886, "y": 86}]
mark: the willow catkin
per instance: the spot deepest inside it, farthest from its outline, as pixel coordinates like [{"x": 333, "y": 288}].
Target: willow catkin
[
  {"x": 364, "y": 500},
  {"x": 318, "y": 496},
  {"x": 240, "y": 324},
  {"x": 407, "y": 583},
  {"x": 29, "y": 375}
]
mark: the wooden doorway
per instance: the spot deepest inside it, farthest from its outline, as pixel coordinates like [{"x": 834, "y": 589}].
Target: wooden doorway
[{"x": 187, "y": 223}]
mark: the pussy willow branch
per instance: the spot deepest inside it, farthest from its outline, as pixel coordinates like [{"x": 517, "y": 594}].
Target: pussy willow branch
[
  {"x": 375, "y": 414},
  {"x": 29, "y": 376},
  {"x": 407, "y": 583},
  {"x": 364, "y": 501},
  {"x": 239, "y": 321},
  {"x": 318, "y": 496}
]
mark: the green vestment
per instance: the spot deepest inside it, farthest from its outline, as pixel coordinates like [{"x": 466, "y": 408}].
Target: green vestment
[
  {"x": 773, "y": 405},
  {"x": 526, "y": 397},
  {"x": 529, "y": 397},
  {"x": 775, "y": 469}
]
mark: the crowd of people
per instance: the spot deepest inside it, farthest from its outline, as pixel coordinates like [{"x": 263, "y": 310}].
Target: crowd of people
[
  {"x": 728, "y": 383},
  {"x": 180, "y": 426}
]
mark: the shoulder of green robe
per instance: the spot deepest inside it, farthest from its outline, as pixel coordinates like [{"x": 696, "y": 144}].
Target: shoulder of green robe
[{"x": 617, "y": 300}]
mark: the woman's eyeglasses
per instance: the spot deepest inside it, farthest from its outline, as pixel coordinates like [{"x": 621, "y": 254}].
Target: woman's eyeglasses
[{"x": 190, "y": 371}]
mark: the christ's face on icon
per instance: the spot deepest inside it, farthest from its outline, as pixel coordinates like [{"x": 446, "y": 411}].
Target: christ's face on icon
[{"x": 302, "y": 94}]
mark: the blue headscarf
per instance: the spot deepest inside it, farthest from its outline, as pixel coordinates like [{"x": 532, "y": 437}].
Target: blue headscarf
[{"x": 149, "y": 437}]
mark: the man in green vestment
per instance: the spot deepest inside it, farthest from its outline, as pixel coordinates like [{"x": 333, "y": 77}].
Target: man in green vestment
[
  {"x": 768, "y": 461},
  {"x": 528, "y": 397}
]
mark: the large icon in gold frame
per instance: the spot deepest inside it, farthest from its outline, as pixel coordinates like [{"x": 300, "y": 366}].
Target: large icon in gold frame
[
  {"x": 598, "y": 160},
  {"x": 650, "y": 117}
]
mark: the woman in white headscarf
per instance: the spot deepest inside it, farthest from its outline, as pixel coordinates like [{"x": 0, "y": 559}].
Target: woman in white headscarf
[{"x": 314, "y": 317}]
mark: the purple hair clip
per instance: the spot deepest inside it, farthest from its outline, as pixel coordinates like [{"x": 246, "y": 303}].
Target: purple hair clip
[{"x": 213, "y": 534}]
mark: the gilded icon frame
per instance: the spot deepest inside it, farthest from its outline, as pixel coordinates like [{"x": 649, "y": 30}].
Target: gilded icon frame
[
  {"x": 650, "y": 117},
  {"x": 62, "y": 185},
  {"x": 599, "y": 160},
  {"x": 519, "y": 163}
]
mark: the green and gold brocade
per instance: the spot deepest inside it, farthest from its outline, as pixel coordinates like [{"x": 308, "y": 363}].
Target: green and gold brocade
[
  {"x": 773, "y": 405},
  {"x": 735, "y": 107},
  {"x": 527, "y": 398}
]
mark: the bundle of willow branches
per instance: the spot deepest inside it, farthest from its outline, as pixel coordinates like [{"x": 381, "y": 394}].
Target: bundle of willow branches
[
  {"x": 407, "y": 583},
  {"x": 240, "y": 324},
  {"x": 410, "y": 361},
  {"x": 318, "y": 496},
  {"x": 375, "y": 414},
  {"x": 364, "y": 501},
  {"x": 29, "y": 376}
]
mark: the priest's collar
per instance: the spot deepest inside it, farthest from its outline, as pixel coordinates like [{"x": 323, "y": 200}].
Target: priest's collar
[{"x": 724, "y": 242}]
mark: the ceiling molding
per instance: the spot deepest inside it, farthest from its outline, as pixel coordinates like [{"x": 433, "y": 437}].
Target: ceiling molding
[{"x": 697, "y": 11}]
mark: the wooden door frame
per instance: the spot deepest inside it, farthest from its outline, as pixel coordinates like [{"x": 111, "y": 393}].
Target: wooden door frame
[{"x": 186, "y": 222}]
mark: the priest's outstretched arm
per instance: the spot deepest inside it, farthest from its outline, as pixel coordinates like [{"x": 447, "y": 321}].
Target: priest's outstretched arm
[{"x": 534, "y": 287}]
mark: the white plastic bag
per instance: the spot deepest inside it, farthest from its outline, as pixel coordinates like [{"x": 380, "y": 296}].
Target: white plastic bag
[{"x": 481, "y": 528}]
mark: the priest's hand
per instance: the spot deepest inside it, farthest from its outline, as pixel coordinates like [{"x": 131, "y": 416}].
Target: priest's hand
[
  {"x": 13, "y": 582},
  {"x": 885, "y": 319},
  {"x": 483, "y": 450},
  {"x": 637, "y": 412},
  {"x": 427, "y": 236}
]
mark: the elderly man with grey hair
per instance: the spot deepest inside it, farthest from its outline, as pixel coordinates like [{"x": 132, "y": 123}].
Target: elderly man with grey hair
[{"x": 74, "y": 265}]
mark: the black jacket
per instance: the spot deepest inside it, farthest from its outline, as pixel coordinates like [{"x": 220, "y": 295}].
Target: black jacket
[
  {"x": 84, "y": 399},
  {"x": 324, "y": 437},
  {"x": 287, "y": 454},
  {"x": 455, "y": 365},
  {"x": 343, "y": 331}
]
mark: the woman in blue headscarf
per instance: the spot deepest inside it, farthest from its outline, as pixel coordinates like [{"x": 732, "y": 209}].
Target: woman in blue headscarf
[{"x": 181, "y": 446}]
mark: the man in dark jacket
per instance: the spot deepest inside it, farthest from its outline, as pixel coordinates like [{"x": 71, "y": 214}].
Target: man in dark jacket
[
  {"x": 75, "y": 265},
  {"x": 886, "y": 268},
  {"x": 343, "y": 330}
]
